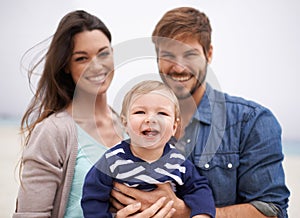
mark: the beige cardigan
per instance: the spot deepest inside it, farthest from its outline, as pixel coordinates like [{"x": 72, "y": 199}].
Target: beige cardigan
[{"x": 48, "y": 168}]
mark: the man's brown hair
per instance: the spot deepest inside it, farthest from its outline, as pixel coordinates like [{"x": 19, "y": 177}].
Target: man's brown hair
[{"x": 183, "y": 23}]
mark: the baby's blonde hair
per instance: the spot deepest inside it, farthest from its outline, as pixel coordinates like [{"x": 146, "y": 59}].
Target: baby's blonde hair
[{"x": 146, "y": 87}]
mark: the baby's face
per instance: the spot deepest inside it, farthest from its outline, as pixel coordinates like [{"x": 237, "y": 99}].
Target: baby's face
[{"x": 151, "y": 120}]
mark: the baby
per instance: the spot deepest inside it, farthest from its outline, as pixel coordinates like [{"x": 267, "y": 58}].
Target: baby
[{"x": 150, "y": 114}]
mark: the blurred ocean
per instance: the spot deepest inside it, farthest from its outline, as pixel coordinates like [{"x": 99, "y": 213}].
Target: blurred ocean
[
  {"x": 6, "y": 120},
  {"x": 290, "y": 146}
]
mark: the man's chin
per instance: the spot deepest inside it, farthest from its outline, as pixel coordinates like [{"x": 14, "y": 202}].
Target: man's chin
[{"x": 182, "y": 94}]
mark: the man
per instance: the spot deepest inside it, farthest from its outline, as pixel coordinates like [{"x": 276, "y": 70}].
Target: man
[{"x": 235, "y": 143}]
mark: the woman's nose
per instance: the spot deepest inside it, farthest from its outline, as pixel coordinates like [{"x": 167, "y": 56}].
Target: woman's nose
[{"x": 95, "y": 65}]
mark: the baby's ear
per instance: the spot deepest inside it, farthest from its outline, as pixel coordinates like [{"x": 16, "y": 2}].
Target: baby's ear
[
  {"x": 175, "y": 126},
  {"x": 124, "y": 120}
]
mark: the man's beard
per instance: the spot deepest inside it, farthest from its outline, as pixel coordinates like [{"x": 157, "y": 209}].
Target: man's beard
[{"x": 200, "y": 80}]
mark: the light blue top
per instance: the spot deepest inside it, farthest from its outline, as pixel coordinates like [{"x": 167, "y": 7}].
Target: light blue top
[{"x": 89, "y": 151}]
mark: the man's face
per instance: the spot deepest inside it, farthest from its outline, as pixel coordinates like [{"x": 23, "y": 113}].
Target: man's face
[{"x": 182, "y": 66}]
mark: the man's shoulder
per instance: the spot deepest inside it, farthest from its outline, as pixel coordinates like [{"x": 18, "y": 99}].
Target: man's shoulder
[
  {"x": 237, "y": 107},
  {"x": 240, "y": 105},
  {"x": 234, "y": 102}
]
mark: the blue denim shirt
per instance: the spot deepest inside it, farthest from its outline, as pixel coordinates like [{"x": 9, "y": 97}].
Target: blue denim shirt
[{"x": 236, "y": 144}]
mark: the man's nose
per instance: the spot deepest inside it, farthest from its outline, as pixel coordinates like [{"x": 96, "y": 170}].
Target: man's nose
[{"x": 178, "y": 67}]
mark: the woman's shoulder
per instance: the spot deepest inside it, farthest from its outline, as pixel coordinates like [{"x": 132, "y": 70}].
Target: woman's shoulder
[
  {"x": 61, "y": 117},
  {"x": 53, "y": 136},
  {"x": 57, "y": 125},
  {"x": 60, "y": 120}
]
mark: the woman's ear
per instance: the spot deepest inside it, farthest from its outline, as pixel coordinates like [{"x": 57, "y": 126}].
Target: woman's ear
[{"x": 67, "y": 70}]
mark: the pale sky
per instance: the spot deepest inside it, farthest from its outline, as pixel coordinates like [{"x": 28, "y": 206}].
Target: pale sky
[{"x": 256, "y": 47}]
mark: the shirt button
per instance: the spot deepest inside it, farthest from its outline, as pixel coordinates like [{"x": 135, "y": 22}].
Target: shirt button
[
  {"x": 206, "y": 166},
  {"x": 229, "y": 165},
  {"x": 188, "y": 141}
]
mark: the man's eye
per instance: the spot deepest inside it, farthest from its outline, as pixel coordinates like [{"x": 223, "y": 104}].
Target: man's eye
[
  {"x": 166, "y": 56},
  {"x": 191, "y": 55}
]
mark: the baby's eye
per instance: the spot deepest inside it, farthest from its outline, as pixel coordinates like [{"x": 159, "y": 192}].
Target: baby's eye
[
  {"x": 139, "y": 112},
  {"x": 163, "y": 113}
]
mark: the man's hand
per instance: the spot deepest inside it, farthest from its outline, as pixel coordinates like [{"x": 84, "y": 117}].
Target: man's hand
[
  {"x": 126, "y": 196},
  {"x": 157, "y": 210}
]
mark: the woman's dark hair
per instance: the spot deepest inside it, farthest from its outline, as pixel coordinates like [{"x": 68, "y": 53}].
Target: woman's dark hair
[{"x": 56, "y": 88}]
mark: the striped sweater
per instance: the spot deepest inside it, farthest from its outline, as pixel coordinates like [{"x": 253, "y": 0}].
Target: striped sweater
[{"x": 120, "y": 165}]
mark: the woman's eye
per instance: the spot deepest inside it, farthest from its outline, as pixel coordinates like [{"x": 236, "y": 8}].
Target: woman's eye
[
  {"x": 78, "y": 59},
  {"x": 104, "y": 54}
]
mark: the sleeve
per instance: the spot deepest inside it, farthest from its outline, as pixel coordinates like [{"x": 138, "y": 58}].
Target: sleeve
[
  {"x": 261, "y": 174},
  {"x": 42, "y": 171},
  {"x": 96, "y": 191},
  {"x": 196, "y": 192}
]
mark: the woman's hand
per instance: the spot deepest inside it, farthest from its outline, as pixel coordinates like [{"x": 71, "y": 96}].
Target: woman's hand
[{"x": 157, "y": 210}]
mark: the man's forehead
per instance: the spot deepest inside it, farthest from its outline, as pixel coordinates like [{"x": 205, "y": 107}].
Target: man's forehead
[
  {"x": 172, "y": 42},
  {"x": 179, "y": 46}
]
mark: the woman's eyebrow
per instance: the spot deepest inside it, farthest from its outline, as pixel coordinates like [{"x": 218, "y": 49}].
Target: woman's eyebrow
[{"x": 84, "y": 52}]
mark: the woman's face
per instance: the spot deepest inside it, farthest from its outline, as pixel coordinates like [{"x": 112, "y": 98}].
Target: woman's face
[{"x": 91, "y": 64}]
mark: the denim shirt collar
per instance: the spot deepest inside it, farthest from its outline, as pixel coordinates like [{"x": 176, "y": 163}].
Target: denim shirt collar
[{"x": 204, "y": 107}]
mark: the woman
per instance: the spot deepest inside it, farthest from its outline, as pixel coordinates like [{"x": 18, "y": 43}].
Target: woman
[{"x": 68, "y": 124}]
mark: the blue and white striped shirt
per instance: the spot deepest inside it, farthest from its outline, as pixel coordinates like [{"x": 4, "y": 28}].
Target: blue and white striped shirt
[{"x": 120, "y": 165}]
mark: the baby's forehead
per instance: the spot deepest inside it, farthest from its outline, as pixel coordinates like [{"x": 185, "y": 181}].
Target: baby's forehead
[{"x": 161, "y": 92}]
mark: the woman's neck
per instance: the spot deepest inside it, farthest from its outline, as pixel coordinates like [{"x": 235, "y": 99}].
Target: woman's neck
[
  {"x": 96, "y": 117},
  {"x": 86, "y": 107}
]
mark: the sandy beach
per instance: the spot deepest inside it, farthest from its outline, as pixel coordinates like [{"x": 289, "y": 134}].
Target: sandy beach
[{"x": 9, "y": 156}]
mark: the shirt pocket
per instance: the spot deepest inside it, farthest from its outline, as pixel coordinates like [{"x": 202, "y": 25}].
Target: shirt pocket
[
  {"x": 221, "y": 170},
  {"x": 225, "y": 161}
]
